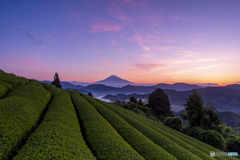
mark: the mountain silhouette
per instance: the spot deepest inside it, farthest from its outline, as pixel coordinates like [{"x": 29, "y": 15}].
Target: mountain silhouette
[
  {"x": 234, "y": 86},
  {"x": 114, "y": 81}
]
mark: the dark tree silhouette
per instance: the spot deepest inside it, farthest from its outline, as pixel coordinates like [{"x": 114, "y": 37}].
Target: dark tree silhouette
[
  {"x": 140, "y": 102},
  {"x": 159, "y": 102},
  {"x": 195, "y": 110},
  {"x": 56, "y": 81},
  {"x": 133, "y": 99},
  {"x": 90, "y": 94}
]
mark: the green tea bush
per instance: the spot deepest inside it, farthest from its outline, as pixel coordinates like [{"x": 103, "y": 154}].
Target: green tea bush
[
  {"x": 195, "y": 132},
  {"x": 174, "y": 123},
  {"x": 231, "y": 136},
  {"x": 233, "y": 144},
  {"x": 103, "y": 140},
  {"x": 34, "y": 82},
  {"x": 59, "y": 135},
  {"x": 4, "y": 88},
  {"x": 227, "y": 131},
  {"x": 168, "y": 145},
  {"x": 20, "y": 113},
  {"x": 138, "y": 141},
  {"x": 47, "y": 86},
  {"x": 213, "y": 138},
  {"x": 203, "y": 149},
  {"x": 12, "y": 79}
]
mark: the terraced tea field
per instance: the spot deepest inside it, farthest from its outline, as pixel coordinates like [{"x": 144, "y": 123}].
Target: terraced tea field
[{"x": 40, "y": 121}]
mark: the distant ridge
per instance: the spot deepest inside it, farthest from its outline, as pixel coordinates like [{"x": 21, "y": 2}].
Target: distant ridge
[{"x": 114, "y": 81}]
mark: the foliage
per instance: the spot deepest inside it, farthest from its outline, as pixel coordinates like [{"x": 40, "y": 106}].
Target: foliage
[
  {"x": 140, "y": 102},
  {"x": 138, "y": 141},
  {"x": 58, "y": 136},
  {"x": 137, "y": 108},
  {"x": 213, "y": 138},
  {"x": 90, "y": 94},
  {"x": 212, "y": 117},
  {"x": 103, "y": 140},
  {"x": 195, "y": 146},
  {"x": 174, "y": 123},
  {"x": 158, "y": 101},
  {"x": 56, "y": 81},
  {"x": 34, "y": 82},
  {"x": 233, "y": 145},
  {"x": 12, "y": 79},
  {"x": 20, "y": 113},
  {"x": 194, "y": 132},
  {"x": 235, "y": 130},
  {"x": 194, "y": 110},
  {"x": 133, "y": 99},
  {"x": 47, "y": 86},
  {"x": 158, "y": 138},
  {"x": 4, "y": 88}
]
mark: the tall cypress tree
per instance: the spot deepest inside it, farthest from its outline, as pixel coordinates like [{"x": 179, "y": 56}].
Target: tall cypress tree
[
  {"x": 195, "y": 111},
  {"x": 56, "y": 81},
  {"x": 159, "y": 102}
]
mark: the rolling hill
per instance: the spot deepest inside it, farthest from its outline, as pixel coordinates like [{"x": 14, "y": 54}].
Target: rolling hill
[
  {"x": 225, "y": 99},
  {"x": 40, "y": 121}
]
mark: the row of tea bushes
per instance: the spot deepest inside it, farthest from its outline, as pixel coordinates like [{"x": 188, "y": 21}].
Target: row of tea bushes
[
  {"x": 103, "y": 140},
  {"x": 12, "y": 79},
  {"x": 5, "y": 88},
  {"x": 47, "y": 86},
  {"x": 34, "y": 82},
  {"x": 138, "y": 141},
  {"x": 187, "y": 139},
  {"x": 59, "y": 135},
  {"x": 179, "y": 141},
  {"x": 161, "y": 140},
  {"x": 20, "y": 113}
]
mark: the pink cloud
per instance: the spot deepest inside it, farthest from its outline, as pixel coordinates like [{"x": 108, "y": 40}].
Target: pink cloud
[
  {"x": 147, "y": 66},
  {"x": 106, "y": 63},
  {"x": 105, "y": 26},
  {"x": 186, "y": 53},
  {"x": 162, "y": 48},
  {"x": 113, "y": 42}
]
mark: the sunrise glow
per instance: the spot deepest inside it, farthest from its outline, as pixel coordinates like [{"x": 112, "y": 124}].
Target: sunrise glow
[{"x": 141, "y": 41}]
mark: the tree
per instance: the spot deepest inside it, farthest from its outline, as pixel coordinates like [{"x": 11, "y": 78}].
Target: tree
[
  {"x": 212, "y": 118},
  {"x": 159, "y": 102},
  {"x": 194, "y": 110},
  {"x": 199, "y": 116},
  {"x": 133, "y": 99},
  {"x": 140, "y": 102},
  {"x": 90, "y": 94},
  {"x": 56, "y": 81}
]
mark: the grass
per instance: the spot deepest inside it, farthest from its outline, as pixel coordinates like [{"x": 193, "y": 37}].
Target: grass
[{"x": 59, "y": 135}]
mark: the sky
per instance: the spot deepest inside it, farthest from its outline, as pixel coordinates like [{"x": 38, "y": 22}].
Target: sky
[{"x": 143, "y": 41}]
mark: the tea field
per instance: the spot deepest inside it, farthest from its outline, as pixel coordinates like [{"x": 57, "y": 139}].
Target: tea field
[{"x": 40, "y": 121}]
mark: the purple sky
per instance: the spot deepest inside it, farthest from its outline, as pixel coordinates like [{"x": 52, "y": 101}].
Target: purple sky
[{"x": 151, "y": 41}]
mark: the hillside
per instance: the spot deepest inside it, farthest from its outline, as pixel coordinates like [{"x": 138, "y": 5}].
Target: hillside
[
  {"x": 222, "y": 97},
  {"x": 40, "y": 121}
]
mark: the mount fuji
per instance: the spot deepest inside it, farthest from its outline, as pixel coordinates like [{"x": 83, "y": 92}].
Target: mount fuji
[{"x": 114, "y": 81}]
